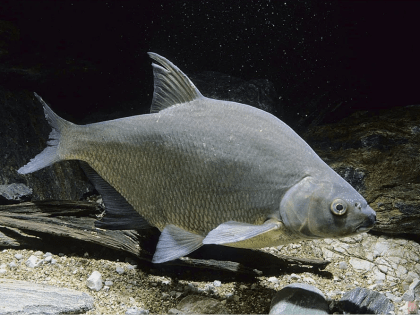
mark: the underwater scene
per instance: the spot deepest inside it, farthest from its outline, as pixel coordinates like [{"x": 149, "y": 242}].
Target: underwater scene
[{"x": 212, "y": 157}]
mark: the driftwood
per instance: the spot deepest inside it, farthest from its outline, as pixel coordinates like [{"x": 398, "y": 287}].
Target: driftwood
[{"x": 22, "y": 225}]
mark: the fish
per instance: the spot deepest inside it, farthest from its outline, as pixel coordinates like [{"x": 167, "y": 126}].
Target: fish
[{"x": 206, "y": 171}]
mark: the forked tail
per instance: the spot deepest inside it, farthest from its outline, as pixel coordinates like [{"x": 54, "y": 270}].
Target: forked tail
[{"x": 50, "y": 154}]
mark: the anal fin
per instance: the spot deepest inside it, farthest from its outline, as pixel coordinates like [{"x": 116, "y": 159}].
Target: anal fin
[
  {"x": 175, "y": 242},
  {"x": 119, "y": 214}
]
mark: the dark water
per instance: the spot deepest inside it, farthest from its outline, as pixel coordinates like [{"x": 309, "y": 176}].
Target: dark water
[{"x": 360, "y": 54}]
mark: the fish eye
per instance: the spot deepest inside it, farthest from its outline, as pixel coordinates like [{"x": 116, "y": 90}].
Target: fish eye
[{"x": 338, "y": 207}]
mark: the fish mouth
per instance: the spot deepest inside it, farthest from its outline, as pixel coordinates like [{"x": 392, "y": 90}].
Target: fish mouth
[
  {"x": 366, "y": 226},
  {"x": 368, "y": 223}
]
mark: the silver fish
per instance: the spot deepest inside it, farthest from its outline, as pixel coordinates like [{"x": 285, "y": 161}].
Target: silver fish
[{"x": 206, "y": 171}]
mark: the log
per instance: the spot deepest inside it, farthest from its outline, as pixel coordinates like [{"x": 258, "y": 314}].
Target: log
[{"x": 29, "y": 223}]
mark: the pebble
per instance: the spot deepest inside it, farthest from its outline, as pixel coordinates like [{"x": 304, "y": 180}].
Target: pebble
[
  {"x": 12, "y": 265},
  {"x": 273, "y": 280},
  {"x": 217, "y": 283},
  {"x": 415, "y": 286},
  {"x": 109, "y": 283},
  {"x": 119, "y": 270},
  {"x": 342, "y": 265},
  {"x": 94, "y": 282},
  {"x": 232, "y": 297},
  {"x": 136, "y": 311},
  {"x": 131, "y": 267},
  {"x": 408, "y": 296},
  {"x": 360, "y": 265},
  {"x": 18, "y": 256},
  {"x": 33, "y": 262}
]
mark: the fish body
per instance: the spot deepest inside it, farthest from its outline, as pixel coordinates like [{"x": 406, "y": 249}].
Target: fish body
[{"x": 206, "y": 171}]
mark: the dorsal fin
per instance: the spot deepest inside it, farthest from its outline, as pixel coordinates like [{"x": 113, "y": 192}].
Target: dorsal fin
[{"x": 171, "y": 85}]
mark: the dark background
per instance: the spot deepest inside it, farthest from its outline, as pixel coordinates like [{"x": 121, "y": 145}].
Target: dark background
[{"x": 85, "y": 57}]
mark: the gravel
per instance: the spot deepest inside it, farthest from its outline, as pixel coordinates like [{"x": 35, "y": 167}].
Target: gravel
[{"x": 139, "y": 289}]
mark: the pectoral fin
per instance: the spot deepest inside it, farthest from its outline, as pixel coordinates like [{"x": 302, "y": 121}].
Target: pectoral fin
[
  {"x": 233, "y": 232},
  {"x": 175, "y": 242}
]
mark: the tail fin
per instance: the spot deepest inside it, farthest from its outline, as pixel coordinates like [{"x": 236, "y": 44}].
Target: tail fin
[{"x": 50, "y": 154}]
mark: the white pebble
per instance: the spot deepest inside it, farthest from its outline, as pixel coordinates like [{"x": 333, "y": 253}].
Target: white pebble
[
  {"x": 2, "y": 271},
  {"x": 38, "y": 253},
  {"x": 136, "y": 311},
  {"x": 120, "y": 270},
  {"x": 12, "y": 265},
  {"x": 408, "y": 296},
  {"x": 342, "y": 265},
  {"x": 18, "y": 256},
  {"x": 47, "y": 254},
  {"x": 217, "y": 283},
  {"x": 48, "y": 259},
  {"x": 33, "y": 262},
  {"x": 94, "y": 282},
  {"x": 273, "y": 280},
  {"x": 109, "y": 283},
  {"x": 415, "y": 284}
]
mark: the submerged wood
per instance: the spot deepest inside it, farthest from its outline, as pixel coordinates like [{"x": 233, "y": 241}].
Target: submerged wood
[{"x": 23, "y": 224}]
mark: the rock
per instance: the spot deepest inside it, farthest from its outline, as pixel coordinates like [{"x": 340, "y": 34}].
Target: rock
[
  {"x": 136, "y": 311},
  {"x": 360, "y": 264},
  {"x": 22, "y": 297},
  {"x": 361, "y": 152},
  {"x": 94, "y": 282},
  {"x": 408, "y": 296},
  {"x": 364, "y": 301},
  {"x": 217, "y": 283},
  {"x": 342, "y": 265},
  {"x": 119, "y": 270},
  {"x": 14, "y": 193},
  {"x": 33, "y": 262},
  {"x": 415, "y": 286},
  {"x": 273, "y": 280},
  {"x": 12, "y": 265},
  {"x": 299, "y": 298},
  {"x": 194, "y": 304}
]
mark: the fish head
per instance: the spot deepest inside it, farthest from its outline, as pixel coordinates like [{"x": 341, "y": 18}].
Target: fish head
[{"x": 326, "y": 208}]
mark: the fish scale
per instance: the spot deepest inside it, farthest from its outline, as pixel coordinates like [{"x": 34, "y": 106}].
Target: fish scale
[{"x": 206, "y": 171}]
